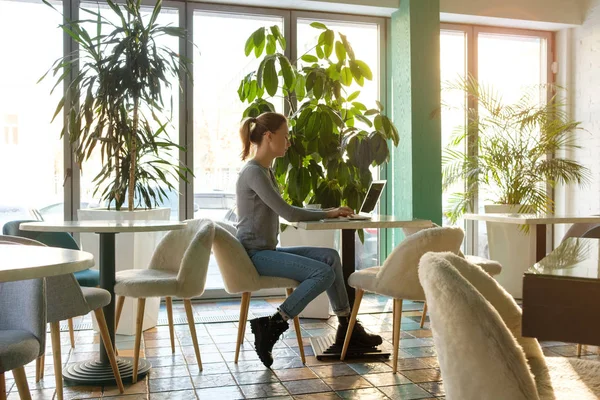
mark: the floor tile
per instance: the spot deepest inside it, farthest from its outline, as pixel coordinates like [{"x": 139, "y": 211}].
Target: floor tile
[
  {"x": 370, "y": 368},
  {"x": 435, "y": 388},
  {"x": 386, "y": 379},
  {"x": 347, "y": 382},
  {"x": 405, "y": 392},
  {"x": 217, "y": 380},
  {"x": 253, "y": 377},
  {"x": 263, "y": 390},
  {"x": 174, "y": 395},
  {"x": 328, "y": 371},
  {"x": 423, "y": 375},
  {"x": 167, "y": 384},
  {"x": 227, "y": 392},
  {"x": 362, "y": 394},
  {"x": 295, "y": 374},
  {"x": 306, "y": 386},
  {"x": 318, "y": 396}
]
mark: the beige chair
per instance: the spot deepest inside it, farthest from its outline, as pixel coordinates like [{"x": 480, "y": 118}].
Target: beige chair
[
  {"x": 490, "y": 266},
  {"x": 240, "y": 276},
  {"x": 66, "y": 299},
  {"x": 476, "y": 328},
  {"x": 178, "y": 268},
  {"x": 397, "y": 277}
]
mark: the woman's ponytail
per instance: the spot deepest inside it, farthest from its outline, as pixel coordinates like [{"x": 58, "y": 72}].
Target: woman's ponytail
[{"x": 245, "y": 132}]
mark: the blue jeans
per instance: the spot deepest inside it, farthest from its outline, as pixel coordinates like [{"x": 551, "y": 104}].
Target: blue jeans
[{"x": 318, "y": 269}]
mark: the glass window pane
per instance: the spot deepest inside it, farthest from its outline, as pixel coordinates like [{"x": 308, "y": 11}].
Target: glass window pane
[
  {"x": 511, "y": 64},
  {"x": 218, "y": 111},
  {"x": 170, "y": 95},
  {"x": 31, "y": 151},
  {"x": 364, "y": 38}
]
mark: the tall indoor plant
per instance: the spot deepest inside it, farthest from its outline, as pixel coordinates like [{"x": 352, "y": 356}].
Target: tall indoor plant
[
  {"x": 334, "y": 137},
  {"x": 511, "y": 150},
  {"x": 114, "y": 102}
]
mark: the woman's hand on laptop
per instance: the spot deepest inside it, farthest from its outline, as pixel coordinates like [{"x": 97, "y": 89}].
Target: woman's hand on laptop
[{"x": 339, "y": 212}]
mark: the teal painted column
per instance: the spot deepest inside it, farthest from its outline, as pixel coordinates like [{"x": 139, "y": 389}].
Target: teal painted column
[{"x": 414, "y": 172}]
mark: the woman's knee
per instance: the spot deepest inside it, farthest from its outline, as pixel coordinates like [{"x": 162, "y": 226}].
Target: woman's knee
[
  {"x": 331, "y": 257},
  {"x": 328, "y": 275}
]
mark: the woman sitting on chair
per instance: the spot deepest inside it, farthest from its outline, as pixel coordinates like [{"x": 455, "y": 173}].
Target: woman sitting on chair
[{"x": 259, "y": 206}]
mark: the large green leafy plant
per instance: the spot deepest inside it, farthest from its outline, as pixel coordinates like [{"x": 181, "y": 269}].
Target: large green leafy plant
[
  {"x": 517, "y": 150},
  {"x": 114, "y": 102},
  {"x": 334, "y": 137}
]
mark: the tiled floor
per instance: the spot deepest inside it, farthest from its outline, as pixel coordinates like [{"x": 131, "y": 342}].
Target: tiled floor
[{"x": 176, "y": 376}]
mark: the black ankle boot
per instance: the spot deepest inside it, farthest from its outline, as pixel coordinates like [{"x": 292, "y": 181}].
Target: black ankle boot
[
  {"x": 360, "y": 337},
  {"x": 267, "y": 331}
]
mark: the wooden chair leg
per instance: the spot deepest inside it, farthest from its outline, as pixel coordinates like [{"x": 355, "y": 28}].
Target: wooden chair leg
[
  {"x": 396, "y": 335},
  {"x": 424, "y": 314},
  {"x": 42, "y": 360},
  {"x": 289, "y": 291},
  {"x": 55, "y": 334},
  {"x": 71, "y": 332},
  {"x": 190, "y": 317},
  {"x": 579, "y": 350},
  {"x": 38, "y": 362},
  {"x": 357, "y": 299},
  {"x": 169, "y": 302},
  {"x": 2, "y": 387},
  {"x": 109, "y": 347},
  {"x": 242, "y": 323},
  {"x": 120, "y": 302},
  {"x": 21, "y": 382},
  {"x": 139, "y": 321}
]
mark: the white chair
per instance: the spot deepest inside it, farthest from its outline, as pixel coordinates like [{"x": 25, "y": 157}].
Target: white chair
[
  {"x": 476, "y": 329},
  {"x": 240, "y": 276},
  {"x": 490, "y": 266},
  {"x": 397, "y": 278},
  {"x": 178, "y": 268}
]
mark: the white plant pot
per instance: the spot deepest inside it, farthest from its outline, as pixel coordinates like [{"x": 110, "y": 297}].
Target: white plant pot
[
  {"x": 319, "y": 307},
  {"x": 511, "y": 247},
  {"x": 133, "y": 251}
]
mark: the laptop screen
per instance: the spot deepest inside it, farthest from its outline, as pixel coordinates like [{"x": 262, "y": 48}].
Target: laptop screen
[{"x": 372, "y": 196}]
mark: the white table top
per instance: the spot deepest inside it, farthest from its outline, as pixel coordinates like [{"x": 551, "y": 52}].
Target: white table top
[
  {"x": 533, "y": 219},
  {"x": 378, "y": 221},
  {"x": 102, "y": 226},
  {"x": 19, "y": 262}
]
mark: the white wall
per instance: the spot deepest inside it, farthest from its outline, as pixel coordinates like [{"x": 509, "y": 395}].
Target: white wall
[
  {"x": 559, "y": 11},
  {"x": 578, "y": 55},
  {"x": 555, "y": 11}
]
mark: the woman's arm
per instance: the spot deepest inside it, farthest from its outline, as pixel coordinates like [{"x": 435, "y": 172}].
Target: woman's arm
[{"x": 259, "y": 182}]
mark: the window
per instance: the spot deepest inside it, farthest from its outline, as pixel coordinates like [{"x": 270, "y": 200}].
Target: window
[
  {"x": 510, "y": 61},
  {"x": 31, "y": 151}
]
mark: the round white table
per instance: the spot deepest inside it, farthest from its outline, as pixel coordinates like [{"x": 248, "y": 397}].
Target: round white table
[
  {"x": 19, "y": 263},
  {"x": 99, "y": 371}
]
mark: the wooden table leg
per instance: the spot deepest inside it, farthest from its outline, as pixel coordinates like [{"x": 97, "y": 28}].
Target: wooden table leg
[{"x": 540, "y": 242}]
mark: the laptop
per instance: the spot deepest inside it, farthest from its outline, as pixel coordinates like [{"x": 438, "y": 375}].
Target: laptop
[{"x": 368, "y": 205}]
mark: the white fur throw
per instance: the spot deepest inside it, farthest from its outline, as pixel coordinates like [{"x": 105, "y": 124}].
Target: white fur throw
[{"x": 479, "y": 358}]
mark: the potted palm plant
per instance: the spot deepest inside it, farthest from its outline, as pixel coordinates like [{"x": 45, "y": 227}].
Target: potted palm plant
[
  {"x": 115, "y": 109},
  {"x": 508, "y": 154}
]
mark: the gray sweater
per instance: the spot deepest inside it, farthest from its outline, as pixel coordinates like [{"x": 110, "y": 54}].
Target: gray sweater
[{"x": 259, "y": 205}]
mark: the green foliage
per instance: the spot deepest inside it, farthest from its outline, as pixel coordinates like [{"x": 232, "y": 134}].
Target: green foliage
[
  {"x": 117, "y": 106},
  {"x": 334, "y": 138},
  {"x": 517, "y": 150}
]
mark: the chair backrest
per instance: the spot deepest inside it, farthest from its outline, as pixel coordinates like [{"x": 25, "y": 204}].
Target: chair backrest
[
  {"x": 499, "y": 298},
  {"x": 53, "y": 239},
  {"x": 64, "y": 298},
  {"x": 479, "y": 358},
  {"x": 401, "y": 265},
  {"x": 23, "y": 307},
  {"x": 191, "y": 278},
  {"x": 579, "y": 230},
  {"x": 239, "y": 274}
]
